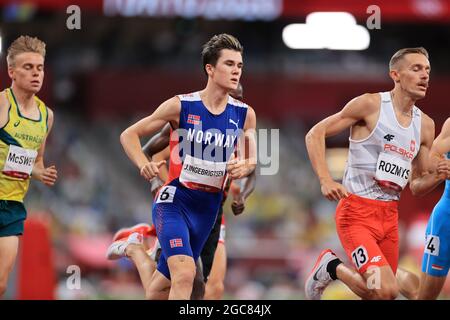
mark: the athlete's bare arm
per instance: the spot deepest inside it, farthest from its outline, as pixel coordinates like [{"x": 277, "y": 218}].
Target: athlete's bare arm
[
  {"x": 238, "y": 204},
  {"x": 168, "y": 111},
  {"x": 158, "y": 142},
  {"x": 245, "y": 164},
  {"x": 4, "y": 108},
  {"x": 441, "y": 145},
  {"x": 423, "y": 177},
  {"x": 163, "y": 155},
  {"x": 47, "y": 175},
  {"x": 360, "y": 114}
]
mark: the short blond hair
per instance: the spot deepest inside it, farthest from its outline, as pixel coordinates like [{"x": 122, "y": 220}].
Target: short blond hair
[
  {"x": 24, "y": 44},
  {"x": 400, "y": 54}
]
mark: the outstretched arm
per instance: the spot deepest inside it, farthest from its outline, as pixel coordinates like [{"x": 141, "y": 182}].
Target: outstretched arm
[
  {"x": 245, "y": 163},
  {"x": 247, "y": 186},
  {"x": 356, "y": 110},
  {"x": 158, "y": 142},
  {"x": 424, "y": 177},
  {"x": 441, "y": 146},
  {"x": 168, "y": 111}
]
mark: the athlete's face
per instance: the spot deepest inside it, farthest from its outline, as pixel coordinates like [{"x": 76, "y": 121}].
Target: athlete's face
[
  {"x": 28, "y": 71},
  {"x": 228, "y": 69},
  {"x": 413, "y": 75}
]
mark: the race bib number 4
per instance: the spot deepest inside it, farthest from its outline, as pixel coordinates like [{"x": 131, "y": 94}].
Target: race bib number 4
[
  {"x": 432, "y": 244},
  {"x": 392, "y": 172},
  {"x": 203, "y": 172},
  {"x": 19, "y": 162}
]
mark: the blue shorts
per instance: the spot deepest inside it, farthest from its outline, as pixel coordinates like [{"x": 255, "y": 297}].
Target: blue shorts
[
  {"x": 436, "y": 257},
  {"x": 12, "y": 218},
  {"x": 183, "y": 219}
]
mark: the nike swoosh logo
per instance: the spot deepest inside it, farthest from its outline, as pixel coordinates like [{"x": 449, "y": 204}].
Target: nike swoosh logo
[{"x": 315, "y": 273}]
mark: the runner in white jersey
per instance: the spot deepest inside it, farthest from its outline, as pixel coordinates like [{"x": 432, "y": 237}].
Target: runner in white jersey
[
  {"x": 378, "y": 166},
  {"x": 389, "y": 142}
]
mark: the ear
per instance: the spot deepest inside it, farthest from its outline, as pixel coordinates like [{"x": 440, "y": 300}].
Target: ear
[
  {"x": 11, "y": 72},
  {"x": 394, "y": 74},
  {"x": 209, "y": 69}
]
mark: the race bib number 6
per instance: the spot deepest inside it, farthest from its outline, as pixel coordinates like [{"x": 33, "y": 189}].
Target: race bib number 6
[{"x": 166, "y": 194}]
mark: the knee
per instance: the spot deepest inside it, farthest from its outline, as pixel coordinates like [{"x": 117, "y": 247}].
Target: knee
[
  {"x": 387, "y": 293},
  {"x": 183, "y": 278}
]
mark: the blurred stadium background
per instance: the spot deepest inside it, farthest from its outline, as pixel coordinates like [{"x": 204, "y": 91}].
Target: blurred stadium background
[{"x": 129, "y": 56}]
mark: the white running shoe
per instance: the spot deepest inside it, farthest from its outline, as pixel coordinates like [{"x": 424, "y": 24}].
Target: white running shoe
[
  {"x": 117, "y": 249},
  {"x": 319, "y": 278}
]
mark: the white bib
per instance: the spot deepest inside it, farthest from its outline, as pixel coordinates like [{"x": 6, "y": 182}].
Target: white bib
[
  {"x": 203, "y": 172},
  {"x": 19, "y": 162},
  {"x": 392, "y": 172}
]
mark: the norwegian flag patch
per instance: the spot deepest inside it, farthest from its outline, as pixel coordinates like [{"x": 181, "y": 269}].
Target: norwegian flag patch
[
  {"x": 176, "y": 243},
  {"x": 193, "y": 119}
]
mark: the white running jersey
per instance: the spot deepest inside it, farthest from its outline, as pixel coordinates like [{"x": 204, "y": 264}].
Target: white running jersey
[{"x": 378, "y": 167}]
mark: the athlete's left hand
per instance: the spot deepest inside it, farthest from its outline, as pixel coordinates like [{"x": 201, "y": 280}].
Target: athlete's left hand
[
  {"x": 443, "y": 169},
  {"x": 238, "y": 205},
  {"x": 47, "y": 175},
  {"x": 239, "y": 168}
]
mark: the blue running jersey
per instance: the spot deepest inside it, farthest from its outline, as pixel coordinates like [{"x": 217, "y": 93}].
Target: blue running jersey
[{"x": 185, "y": 209}]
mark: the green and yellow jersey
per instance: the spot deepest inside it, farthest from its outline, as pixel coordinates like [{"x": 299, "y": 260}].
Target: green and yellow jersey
[{"x": 20, "y": 140}]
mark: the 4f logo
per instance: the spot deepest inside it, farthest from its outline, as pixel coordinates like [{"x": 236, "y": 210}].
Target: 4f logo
[{"x": 389, "y": 137}]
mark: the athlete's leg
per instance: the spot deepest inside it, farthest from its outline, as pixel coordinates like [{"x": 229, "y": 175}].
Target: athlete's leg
[
  {"x": 183, "y": 223},
  {"x": 145, "y": 266},
  {"x": 209, "y": 248},
  {"x": 158, "y": 288},
  {"x": 215, "y": 284},
  {"x": 430, "y": 286},
  {"x": 182, "y": 273},
  {"x": 8, "y": 251},
  {"x": 436, "y": 257},
  {"x": 365, "y": 285},
  {"x": 408, "y": 283},
  {"x": 198, "y": 289},
  {"x": 371, "y": 244}
]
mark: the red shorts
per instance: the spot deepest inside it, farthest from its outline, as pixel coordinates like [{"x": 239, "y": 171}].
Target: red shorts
[{"x": 368, "y": 230}]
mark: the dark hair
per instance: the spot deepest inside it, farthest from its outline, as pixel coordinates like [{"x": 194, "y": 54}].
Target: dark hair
[{"x": 211, "y": 49}]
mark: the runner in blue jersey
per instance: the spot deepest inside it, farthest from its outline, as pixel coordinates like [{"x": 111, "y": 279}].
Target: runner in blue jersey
[
  {"x": 436, "y": 258},
  {"x": 208, "y": 125}
]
